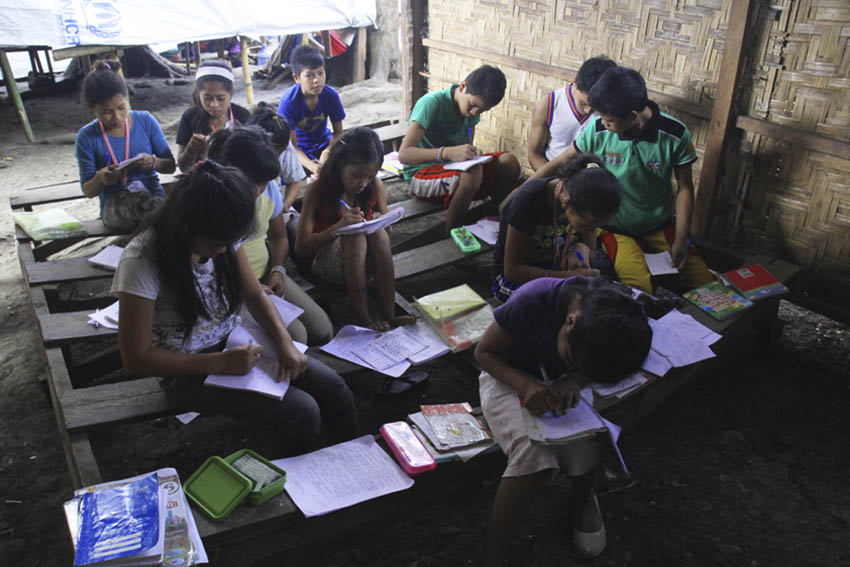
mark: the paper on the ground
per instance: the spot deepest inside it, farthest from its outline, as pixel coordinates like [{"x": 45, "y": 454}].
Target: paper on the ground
[
  {"x": 106, "y": 317},
  {"x": 261, "y": 378},
  {"x": 627, "y": 384},
  {"x": 388, "y": 349},
  {"x": 424, "y": 334},
  {"x": 486, "y": 230},
  {"x": 370, "y": 226},
  {"x": 352, "y": 337},
  {"x": 681, "y": 339},
  {"x": 341, "y": 475},
  {"x": 660, "y": 264},
  {"x": 467, "y": 164},
  {"x": 108, "y": 257},
  {"x": 187, "y": 418}
]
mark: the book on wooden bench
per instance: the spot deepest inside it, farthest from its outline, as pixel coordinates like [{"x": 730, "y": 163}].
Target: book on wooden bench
[
  {"x": 458, "y": 314},
  {"x": 754, "y": 282}
]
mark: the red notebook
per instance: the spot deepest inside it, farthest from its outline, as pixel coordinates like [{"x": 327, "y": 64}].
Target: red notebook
[{"x": 754, "y": 282}]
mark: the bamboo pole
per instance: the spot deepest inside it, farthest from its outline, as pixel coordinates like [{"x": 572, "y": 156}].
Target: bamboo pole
[
  {"x": 12, "y": 88},
  {"x": 246, "y": 72},
  {"x": 197, "y": 55},
  {"x": 722, "y": 115}
]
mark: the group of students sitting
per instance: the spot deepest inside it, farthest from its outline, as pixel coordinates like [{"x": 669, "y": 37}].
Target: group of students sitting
[{"x": 216, "y": 246}]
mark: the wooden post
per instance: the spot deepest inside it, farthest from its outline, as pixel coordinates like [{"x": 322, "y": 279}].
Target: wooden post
[
  {"x": 326, "y": 43},
  {"x": 246, "y": 71},
  {"x": 12, "y": 88},
  {"x": 411, "y": 58},
  {"x": 722, "y": 117},
  {"x": 197, "y": 55},
  {"x": 220, "y": 46},
  {"x": 186, "y": 58},
  {"x": 359, "y": 72}
]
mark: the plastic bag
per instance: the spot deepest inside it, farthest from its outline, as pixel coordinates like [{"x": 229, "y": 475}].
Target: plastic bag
[{"x": 52, "y": 223}]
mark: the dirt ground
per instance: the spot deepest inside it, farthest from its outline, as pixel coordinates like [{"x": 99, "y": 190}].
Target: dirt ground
[{"x": 748, "y": 467}]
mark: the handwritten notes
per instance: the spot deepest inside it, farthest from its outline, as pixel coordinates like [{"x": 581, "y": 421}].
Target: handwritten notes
[
  {"x": 341, "y": 475},
  {"x": 468, "y": 164},
  {"x": 370, "y": 226}
]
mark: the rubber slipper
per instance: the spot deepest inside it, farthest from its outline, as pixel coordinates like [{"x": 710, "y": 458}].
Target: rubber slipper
[{"x": 392, "y": 386}]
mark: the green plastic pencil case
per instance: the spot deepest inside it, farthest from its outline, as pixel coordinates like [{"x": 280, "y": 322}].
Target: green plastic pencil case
[
  {"x": 217, "y": 488},
  {"x": 465, "y": 240}
]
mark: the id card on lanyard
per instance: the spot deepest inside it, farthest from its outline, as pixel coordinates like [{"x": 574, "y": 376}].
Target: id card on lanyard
[{"x": 126, "y": 145}]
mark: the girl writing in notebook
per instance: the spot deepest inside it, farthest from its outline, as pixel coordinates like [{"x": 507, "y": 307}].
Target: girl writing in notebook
[
  {"x": 181, "y": 283},
  {"x": 247, "y": 149},
  {"x": 347, "y": 192},
  {"x": 574, "y": 331},
  {"x": 211, "y": 111},
  {"x": 117, "y": 134},
  {"x": 548, "y": 225}
]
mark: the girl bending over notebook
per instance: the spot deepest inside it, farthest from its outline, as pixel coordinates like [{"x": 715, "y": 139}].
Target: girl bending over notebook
[
  {"x": 574, "y": 330},
  {"x": 181, "y": 283},
  {"x": 348, "y": 192}
]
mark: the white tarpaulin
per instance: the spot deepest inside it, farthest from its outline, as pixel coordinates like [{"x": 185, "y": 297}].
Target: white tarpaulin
[{"x": 64, "y": 23}]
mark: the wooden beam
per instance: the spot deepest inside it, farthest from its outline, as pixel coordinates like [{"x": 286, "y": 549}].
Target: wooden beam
[
  {"x": 722, "y": 115},
  {"x": 359, "y": 73},
  {"x": 326, "y": 43},
  {"x": 800, "y": 138},
  {"x": 197, "y": 45},
  {"x": 246, "y": 71},
  {"x": 411, "y": 58},
  {"x": 674, "y": 102},
  {"x": 12, "y": 89}
]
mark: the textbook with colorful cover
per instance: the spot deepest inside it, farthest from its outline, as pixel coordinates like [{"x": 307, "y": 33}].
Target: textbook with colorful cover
[
  {"x": 755, "y": 282},
  {"x": 458, "y": 314},
  {"x": 718, "y": 300},
  {"x": 453, "y": 425}
]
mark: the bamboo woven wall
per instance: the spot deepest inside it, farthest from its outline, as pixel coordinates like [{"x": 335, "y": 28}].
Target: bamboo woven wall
[
  {"x": 775, "y": 198},
  {"x": 787, "y": 200}
]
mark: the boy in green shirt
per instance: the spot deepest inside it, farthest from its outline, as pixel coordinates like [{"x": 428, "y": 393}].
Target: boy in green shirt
[
  {"x": 441, "y": 129},
  {"x": 643, "y": 147}
]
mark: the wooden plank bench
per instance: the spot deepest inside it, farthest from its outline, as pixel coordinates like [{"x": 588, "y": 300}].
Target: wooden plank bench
[
  {"x": 80, "y": 269},
  {"x": 64, "y": 191}
]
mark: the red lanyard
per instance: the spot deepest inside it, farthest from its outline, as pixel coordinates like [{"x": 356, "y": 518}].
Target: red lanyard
[
  {"x": 228, "y": 125},
  {"x": 126, "y": 145}
]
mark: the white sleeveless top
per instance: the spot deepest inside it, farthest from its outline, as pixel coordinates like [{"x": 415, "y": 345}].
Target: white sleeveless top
[{"x": 564, "y": 120}]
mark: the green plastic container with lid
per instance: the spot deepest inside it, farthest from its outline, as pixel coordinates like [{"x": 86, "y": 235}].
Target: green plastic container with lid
[
  {"x": 257, "y": 497},
  {"x": 217, "y": 487}
]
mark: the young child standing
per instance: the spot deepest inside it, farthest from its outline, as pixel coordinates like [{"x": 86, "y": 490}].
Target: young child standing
[
  {"x": 308, "y": 105},
  {"x": 212, "y": 110},
  {"x": 548, "y": 226},
  {"x": 644, "y": 148},
  {"x": 442, "y": 128},
  {"x": 116, "y": 134},
  {"x": 181, "y": 283},
  {"x": 347, "y": 192},
  {"x": 291, "y": 171},
  {"x": 247, "y": 149},
  {"x": 559, "y": 116},
  {"x": 576, "y": 330}
]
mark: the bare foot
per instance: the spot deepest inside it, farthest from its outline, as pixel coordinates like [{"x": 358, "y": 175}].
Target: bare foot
[{"x": 377, "y": 325}]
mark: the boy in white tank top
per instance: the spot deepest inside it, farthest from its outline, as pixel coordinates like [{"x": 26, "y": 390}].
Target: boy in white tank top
[{"x": 560, "y": 115}]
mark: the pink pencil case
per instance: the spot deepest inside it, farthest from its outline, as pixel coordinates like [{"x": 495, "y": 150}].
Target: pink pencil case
[{"x": 409, "y": 451}]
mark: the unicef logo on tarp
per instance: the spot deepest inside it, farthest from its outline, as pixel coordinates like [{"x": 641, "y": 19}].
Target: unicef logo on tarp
[{"x": 103, "y": 18}]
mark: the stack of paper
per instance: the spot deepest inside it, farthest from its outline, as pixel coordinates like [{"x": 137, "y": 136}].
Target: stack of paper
[
  {"x": 388, "y": 352},
  {"x": 99, "y": 518},
  {"x": 108, "y": 257},
  {"x": 678, "y": 340},
  {"x": 622, "y": 388},
  {"x": 341, "y": 475}
]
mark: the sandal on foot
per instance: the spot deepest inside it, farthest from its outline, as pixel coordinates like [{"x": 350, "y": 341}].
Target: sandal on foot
[
  {"x": 392, "y": 386},
  {"x": 591, "y": 544}
]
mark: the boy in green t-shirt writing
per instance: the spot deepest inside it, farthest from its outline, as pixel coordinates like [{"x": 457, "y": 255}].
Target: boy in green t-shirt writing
[
  {"x": 441, "y": 129},
  {"x": 643, "y": 147}
]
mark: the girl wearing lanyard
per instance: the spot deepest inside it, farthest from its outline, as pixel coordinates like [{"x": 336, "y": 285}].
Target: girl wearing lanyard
[
  {"x": 548, "y": 226},
  {"x": 212, "y": 110},
  {"x": 127, "y": 193}
]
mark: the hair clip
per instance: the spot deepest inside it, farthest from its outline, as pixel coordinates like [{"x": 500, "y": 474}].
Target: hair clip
[{"x": 591, "y": 165}]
